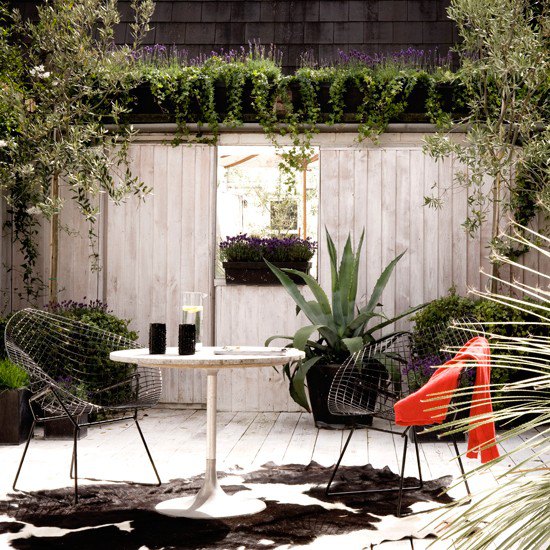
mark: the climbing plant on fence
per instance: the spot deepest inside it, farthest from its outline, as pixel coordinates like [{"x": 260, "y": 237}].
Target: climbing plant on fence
[
  {"x": 60, "y": 83},
  {"x": 67, "y": 110}
]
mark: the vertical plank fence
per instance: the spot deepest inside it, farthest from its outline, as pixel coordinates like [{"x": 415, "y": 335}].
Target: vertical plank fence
[{"x": 154, "y": 250}]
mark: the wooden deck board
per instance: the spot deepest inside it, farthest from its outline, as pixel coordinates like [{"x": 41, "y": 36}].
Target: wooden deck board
[{"x": 177, "y": 439}]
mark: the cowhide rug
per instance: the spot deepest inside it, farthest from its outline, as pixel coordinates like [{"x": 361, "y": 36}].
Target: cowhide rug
[{"x": 123, "y": 516}]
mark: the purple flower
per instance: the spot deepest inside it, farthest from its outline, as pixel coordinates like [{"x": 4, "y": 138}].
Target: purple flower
[
  {"x": 242, "y": 248},
  {"x": 419, "y": 370}
]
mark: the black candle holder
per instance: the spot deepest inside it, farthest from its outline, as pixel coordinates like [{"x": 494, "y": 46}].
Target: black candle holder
[
  {"x": 186, "y": 339},
  {"x": 157, "y": 338}
]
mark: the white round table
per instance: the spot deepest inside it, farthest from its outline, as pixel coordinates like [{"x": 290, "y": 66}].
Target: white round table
[{"x": 211, "y": 501}]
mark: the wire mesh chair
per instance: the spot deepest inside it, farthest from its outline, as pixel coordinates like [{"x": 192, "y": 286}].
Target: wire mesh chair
[
  {"x": 70, "y": 374},
  {"x": 375, "y": 378}
]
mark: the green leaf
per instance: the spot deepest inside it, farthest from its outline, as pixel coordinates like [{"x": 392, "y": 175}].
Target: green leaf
[
  {"x": 333, "y": 262},
  {"x": 353, "y": 344},
  {"x": 396, "y": 318},
  {"x": 302, "y": 336},
  {"x": 297, "y": 387},
  {"x": 271, "y": 338},
  {"x": 381, "y": 285},
  {"x": 360, "y": 321},
  {"x": 295, "y": 294},
  {"x": 315, "y": 288},
  {"x": 345, "y": 277},
  {"x": 355, "y": 279}
]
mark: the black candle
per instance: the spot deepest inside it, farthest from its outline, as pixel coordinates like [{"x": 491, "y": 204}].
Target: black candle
[
  {"x": 186, "y": 339},
  {"x": 157, "y": 338}
]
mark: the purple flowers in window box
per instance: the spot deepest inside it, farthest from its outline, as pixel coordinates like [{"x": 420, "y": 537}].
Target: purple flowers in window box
[{"x": 243, "y": 258}]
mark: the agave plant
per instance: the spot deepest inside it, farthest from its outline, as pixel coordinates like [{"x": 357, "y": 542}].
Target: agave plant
[
  {"x": 342, "y": 325},
  {"x": 515, "y": 514}
]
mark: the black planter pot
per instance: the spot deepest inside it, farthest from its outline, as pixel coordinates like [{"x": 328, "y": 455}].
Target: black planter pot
[
  {"x": 258, "y": 273},
  {"x": 322, "y": 99},
  {"x": 319, "y": 379},
  {"x": 143, "y": 100},
  {"x": 15, "y": 416},
  {"x": 63, "y": 428},
  {"x": 416, "y": 100},
  {"x": 221, "y": 99}
]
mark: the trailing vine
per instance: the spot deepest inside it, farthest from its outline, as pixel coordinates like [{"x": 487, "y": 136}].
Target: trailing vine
[
  {"x": 223, "y": 89},
  {"x": 68, "y": 84}
]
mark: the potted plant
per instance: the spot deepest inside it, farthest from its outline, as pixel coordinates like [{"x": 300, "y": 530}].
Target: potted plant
[
  {"x": 342, "y": 325},
  {"x": 243, "y": 258},
  {"x": 15, "y": 412}
]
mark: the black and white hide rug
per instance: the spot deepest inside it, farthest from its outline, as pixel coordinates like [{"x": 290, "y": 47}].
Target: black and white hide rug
[{"x": 123, "y": 516}]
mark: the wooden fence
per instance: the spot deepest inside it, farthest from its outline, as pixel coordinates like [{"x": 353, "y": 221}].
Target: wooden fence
[{"x": 154, "y": 250}]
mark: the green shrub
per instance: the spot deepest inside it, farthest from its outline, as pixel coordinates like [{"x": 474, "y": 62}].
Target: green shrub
[
  {"x": 95, "y": 313},
  {"x": 97, "y": 371},
  {"x": 11, "y": 376},
  {"x": 440, "y": 312},
  {"x": 443, "y": 310}
]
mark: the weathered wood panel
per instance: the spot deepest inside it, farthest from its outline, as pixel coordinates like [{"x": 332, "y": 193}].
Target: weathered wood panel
[
  {"x": 248, "y": 315},
  {"x": 158, "y": 248},
  {"x": 384, "y": 194}
]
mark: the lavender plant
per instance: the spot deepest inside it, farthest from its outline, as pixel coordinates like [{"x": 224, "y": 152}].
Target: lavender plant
[
  {"x": 244, "y": 248},
  {"x": 414, "y": 58}
]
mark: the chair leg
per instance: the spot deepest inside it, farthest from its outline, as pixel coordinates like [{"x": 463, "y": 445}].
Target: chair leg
[
  {"x": 402, "y": 480},
  {"x": 29, "y": 437},
  {"x": 147, "y": 449},
  {"x": 417, "y": 449},
  {"x": 401, "y": 487},
  {"x": 402, "y": 476},
  {"x": 461, "y": 465},
  {"x": 76, "y": 432},
  {"x": 71, "y": 475},
  {"x": 337, "y": 465}
]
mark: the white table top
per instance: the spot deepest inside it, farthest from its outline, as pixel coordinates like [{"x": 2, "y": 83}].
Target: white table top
[{"x": 204, "y": 358}]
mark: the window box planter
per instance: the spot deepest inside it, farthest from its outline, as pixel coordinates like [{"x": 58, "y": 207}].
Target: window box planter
[
  {"x": 143, "y": 101},
  {"x": 258, "y": 273},
  {"x": 221, "y": 100},
  {"x": 15, "y": 416}
]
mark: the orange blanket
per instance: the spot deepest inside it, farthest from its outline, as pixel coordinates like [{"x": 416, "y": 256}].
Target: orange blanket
[{"x": 412, "y": 410}]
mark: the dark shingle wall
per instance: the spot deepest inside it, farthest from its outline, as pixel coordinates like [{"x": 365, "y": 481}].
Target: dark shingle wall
[{"x": 321, "y": 27}]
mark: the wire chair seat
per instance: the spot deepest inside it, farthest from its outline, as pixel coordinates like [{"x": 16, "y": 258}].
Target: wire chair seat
[
  {"x": 368, "y": 382},
  {"x": 70, "y": 374},
  {"x": 68, "y": 363},
  {"x": 382, "y": 373},
  {"x": 372, "y": 380}
]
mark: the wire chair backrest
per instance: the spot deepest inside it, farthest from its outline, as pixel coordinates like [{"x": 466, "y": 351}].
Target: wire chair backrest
[
  {"x": 372, "y": 380},
  {"x": 72, "y": 358}
]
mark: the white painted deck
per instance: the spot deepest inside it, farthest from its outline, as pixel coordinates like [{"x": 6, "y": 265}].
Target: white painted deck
[{"x": 245, "y": 439}]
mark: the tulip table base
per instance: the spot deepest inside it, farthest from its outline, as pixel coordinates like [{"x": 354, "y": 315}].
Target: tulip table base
[{"x": 211, "y": 501}]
